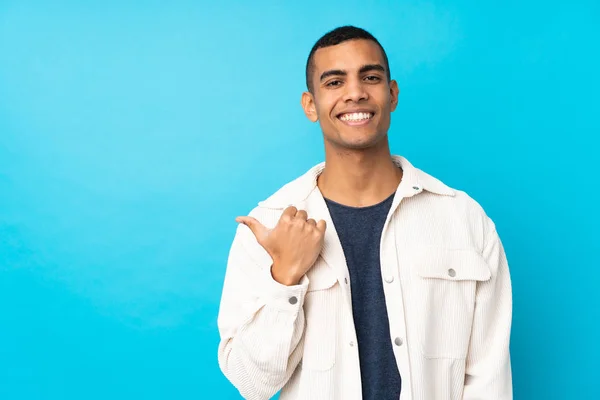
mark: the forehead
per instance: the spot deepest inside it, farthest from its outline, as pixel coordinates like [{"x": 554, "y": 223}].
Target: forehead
[{"x": 348, "y": 56}]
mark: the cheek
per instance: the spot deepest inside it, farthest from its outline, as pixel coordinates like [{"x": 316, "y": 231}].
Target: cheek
[
  {"x": 386, "y": 109},
  {"x": 385, "y": 118},
  {"x": 324, "y": 106}
]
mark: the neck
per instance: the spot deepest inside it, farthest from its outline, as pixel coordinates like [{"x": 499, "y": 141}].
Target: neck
[{"x": 359, "y": 178}]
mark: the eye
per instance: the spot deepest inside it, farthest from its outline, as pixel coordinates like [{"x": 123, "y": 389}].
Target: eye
[
  {"x": 372, "y": 78},
  {"x": 334, "y": 83}
]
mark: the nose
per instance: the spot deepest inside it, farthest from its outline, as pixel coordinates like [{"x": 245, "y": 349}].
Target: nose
[{"x": 355, "y": 91}]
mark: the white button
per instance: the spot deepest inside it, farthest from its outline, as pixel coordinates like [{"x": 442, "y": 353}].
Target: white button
[
  {"x": 398, "y": 341},
  {"x": 389, "y": 278}
]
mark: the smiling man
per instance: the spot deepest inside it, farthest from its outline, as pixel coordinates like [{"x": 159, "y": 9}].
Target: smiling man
[{"x": 365, "y": 278}]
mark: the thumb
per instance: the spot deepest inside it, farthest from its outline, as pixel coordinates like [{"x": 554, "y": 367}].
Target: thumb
[{"x": 258, "y": 229}]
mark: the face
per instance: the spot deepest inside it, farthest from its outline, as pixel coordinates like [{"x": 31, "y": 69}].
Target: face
[{"x": 351, "y": 99}]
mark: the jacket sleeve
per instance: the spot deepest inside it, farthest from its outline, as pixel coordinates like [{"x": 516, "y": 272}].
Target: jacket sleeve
[
  {"x": 261, "y": 322},
  {"x": 488, "y": 369}
]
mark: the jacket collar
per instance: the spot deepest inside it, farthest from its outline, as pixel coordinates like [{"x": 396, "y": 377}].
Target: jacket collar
[{"x": 413, "y": 181}]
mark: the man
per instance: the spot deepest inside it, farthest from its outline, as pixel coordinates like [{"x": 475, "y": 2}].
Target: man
[{"x": 365, "y": 278}]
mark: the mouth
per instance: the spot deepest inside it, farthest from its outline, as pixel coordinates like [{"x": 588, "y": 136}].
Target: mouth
[{"x": 356, "y": 118}]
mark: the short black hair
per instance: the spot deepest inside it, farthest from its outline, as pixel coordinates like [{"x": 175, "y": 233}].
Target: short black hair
[{"x": 335, "y": 37}]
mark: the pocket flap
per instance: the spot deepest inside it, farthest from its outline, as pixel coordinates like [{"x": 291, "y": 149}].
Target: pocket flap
[
  {"x": 451, "y": 264},
  {"x": 320, "y": 276}
]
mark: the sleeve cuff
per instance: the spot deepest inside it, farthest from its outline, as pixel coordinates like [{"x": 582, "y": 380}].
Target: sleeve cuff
[{"x": 282, "y": 297}]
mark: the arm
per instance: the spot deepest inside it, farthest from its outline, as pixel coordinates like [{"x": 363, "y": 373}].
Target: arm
[
  {"x": 488, "y": 370},
  {"x": 260, "y": 327}
]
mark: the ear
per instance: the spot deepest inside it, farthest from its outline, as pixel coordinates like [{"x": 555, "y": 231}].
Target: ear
[
  {"x": 309, "y": 106},
  {"x": 394, "y": 92}
]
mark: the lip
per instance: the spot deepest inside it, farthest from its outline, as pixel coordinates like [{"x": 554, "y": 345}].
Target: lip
[{"x": 356, "y": 123}]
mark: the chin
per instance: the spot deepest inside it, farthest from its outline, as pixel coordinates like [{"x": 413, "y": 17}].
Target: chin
[
  {"x": 354, "y": 139},
  {"x": 359, "y": 143}
]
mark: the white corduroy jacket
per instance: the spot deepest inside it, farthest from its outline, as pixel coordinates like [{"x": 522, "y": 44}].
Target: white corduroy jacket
[{"x": 447, "y": 289}]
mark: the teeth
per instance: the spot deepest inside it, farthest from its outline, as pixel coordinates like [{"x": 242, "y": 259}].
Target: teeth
[{"x": 356, "y": 116}]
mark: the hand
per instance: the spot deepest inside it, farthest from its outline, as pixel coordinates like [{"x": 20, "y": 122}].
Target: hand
[{"x": 294, "y": 244}]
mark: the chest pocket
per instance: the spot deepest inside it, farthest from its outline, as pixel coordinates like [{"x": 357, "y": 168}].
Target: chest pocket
[
  {"x": 445, "y": 288},
  {"x": 320, "y": 311}
]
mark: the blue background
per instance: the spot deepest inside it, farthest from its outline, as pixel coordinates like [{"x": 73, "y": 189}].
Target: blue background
[{"x": 132, "y": 134}]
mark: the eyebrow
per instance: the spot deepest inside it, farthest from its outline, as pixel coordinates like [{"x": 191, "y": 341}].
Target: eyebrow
[{"x": 362, "y": 70}]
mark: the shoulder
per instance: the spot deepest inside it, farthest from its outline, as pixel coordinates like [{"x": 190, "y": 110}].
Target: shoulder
[
  {"x": 459, "y": 212},
  {"x": 459, "y": 199}
]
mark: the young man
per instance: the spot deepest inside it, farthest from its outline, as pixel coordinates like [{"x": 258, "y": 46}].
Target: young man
[{"x": 365, "y": 278}]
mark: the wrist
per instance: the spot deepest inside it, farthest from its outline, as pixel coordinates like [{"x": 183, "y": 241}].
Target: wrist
[{"x": 283, "y": 275}]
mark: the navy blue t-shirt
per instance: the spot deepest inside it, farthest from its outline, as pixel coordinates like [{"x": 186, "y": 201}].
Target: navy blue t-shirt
[{"x": 359, "y": 230}]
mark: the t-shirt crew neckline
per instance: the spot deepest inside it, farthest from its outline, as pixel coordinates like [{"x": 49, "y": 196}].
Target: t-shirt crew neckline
[{"x": 361, "y": 208}]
